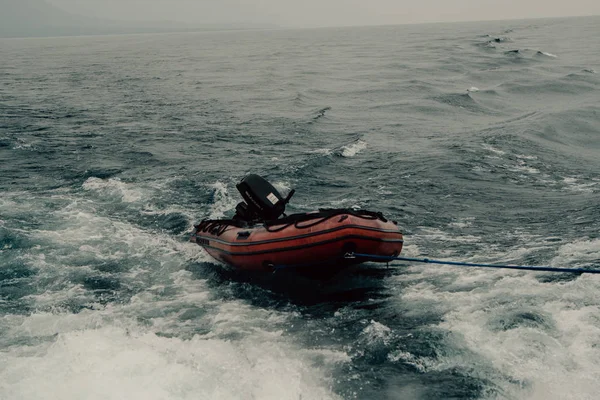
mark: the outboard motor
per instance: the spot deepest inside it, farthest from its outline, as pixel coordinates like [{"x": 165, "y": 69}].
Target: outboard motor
[{"x": 262, "y": 200}]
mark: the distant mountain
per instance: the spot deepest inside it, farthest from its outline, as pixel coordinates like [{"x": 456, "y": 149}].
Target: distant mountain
[{"x": 31, "y": 18}]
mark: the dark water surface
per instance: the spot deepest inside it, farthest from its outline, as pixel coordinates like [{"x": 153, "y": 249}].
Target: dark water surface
[{"x": 482, "y": 140}]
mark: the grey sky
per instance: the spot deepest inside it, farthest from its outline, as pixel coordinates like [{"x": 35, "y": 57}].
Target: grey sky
[{"x": 309, "y": 13}]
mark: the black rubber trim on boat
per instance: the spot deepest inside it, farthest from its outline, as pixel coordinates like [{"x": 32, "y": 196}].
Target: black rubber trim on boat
[
  {"x": 303, "y": 236},
  {"x": 304, "y": 246},
  {"x": 219, "y": 226}
]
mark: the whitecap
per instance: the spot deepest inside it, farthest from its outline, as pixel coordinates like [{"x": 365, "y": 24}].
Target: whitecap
[
  {"x": 462, "y": 223},
  {"x": 322, "y": 151},
  {"x": 353, "y": 149},
  {"x": 434, "y": 234},
  {"x": 109, "y": 359},
  {"x": 526, "y": 157},
  {"x": 222, "y": 201},
  {"x": 420, "y": 363},
  {"x": 128, "y": 192},
  {"x": 377, "y": 332},
  {"x": 23, "y": 146},
  {"x": 282, "y": 186},
  {"x": 579, "y": 251},
  {"x": 493, "y": 149},
  {"x": 384, "y": 190},
  {"x": 542, "y": 335},
  {"x": 573, "y": 184},
  {"x": 411, "y": 250},
  {"x": 523, "y": 167}
]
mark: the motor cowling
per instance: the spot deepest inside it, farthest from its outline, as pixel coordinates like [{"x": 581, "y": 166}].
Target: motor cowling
[{"x": 262, "y": 200}]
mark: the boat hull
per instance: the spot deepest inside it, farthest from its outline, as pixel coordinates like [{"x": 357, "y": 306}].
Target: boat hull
[{"x": 310, "y": 243}]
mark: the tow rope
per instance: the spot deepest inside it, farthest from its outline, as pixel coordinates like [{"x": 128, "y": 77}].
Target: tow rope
[{"x": 475, "y": 265}]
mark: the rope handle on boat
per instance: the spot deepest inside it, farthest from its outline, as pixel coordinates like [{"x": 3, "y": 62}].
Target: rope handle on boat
[
  {"x": 218, "y": 226},
  {"x": 475, "y": 265},
  {"x": 324, "y": 214}
]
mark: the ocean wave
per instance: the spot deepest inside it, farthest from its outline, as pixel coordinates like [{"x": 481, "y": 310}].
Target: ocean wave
[
  {"x": 557, "y": 86},
  {"x": 517, "y": 339},
  {"x": 501, "y": 39},
  {"x": 222, "y": 201},
  {"x": 321, "y": 113},
  {"x": 574, "y": 130},
  {"x": 543, "y": 53},
  {"x": 114, "y": 186},
  {"x": 352, "y": 149},
  {"x": 493, "y": 41},
  {"x": 583, "y": 76},
  {"x": 514, "y": 52},
  {"x": 126, "y": 357},
  {"x": 324, "y": 151},
  {"x": 464, "y": 101},
  {"x": 580, "y": 185},
  {"x": 97, "y": 204}
]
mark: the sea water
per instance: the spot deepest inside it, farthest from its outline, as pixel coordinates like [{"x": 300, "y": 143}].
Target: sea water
[{"x": 481, "y": 139}]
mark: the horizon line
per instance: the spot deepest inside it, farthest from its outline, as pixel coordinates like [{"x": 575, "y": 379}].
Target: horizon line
[{"x": 274, "y": 27}]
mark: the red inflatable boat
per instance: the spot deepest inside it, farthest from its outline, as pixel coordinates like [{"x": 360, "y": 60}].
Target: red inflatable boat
[{"x": 258, "y": 239}]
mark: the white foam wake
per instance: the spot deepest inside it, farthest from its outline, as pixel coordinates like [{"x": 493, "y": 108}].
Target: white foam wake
[
  {"x": 120, "y": 360},
  {"x": 115, "y": 187},
  {"x": 222, "y": 201},
  {"x": 171, "y": 339},
  {"x": 533, "y": 338}
]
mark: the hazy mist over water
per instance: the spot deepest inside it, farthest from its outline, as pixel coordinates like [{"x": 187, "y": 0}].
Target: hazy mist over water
[
  {"x": 309, "y": 13},
  {"x": 481, "y": 139},
  {"x": 26, "y": 18}
]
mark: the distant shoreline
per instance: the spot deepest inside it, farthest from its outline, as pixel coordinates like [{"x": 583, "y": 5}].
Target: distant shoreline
[{"x": 140, "y": 32}]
